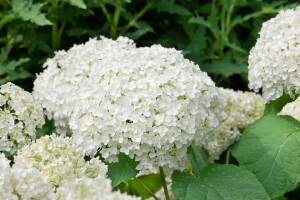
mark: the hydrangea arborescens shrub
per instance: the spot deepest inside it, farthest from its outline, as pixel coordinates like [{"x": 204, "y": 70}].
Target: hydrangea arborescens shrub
[
  {"x": 20, "y": 115},
  {"x": 149, "y": 102},
  {"x": 274, "y": 60},
  {"x": 241, "y": 109},
  {"x": 59, "y": 160}
]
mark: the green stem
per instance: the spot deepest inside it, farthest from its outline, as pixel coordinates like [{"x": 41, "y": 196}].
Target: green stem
[
  {"x": 227, "y": 157},
  {"x": 114, "y": 24},
  {"x": 54, "y": 27},
  {"x": 6, "y": 20},
  {"x": 60, "y": 31},
  {"x": 228, "y": 17},
  {"x": 136, "y": 17},
  {"x": 105, "y": 12},
  {"x": 163, "y": 180}
]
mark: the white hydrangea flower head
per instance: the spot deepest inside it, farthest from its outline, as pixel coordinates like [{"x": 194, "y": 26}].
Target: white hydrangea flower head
[
  {"x": 149, "y": 103},
  {"x": 29, "y": 183},
  {"x": 20, "y": 115},
  {"x": 274, "y": 64},
  {"x": 241, "y": 109},
  {"x": 22, "y": 182},
  {"x": 91, "y": 189},
  {"x": 292, "y": 109},
  {"x": 59, "y": 160},
  {"x": 6, "y": 188}
]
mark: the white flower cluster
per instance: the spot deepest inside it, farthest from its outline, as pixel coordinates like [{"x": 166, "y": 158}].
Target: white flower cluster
[
  {"x": 292, "y": 109},
  {"x": 241, "y": 109},
  {"x": 20, "y": 115},
  {"x": 59, "y": 160},
  {"x": 274, "y": 61},
  {"x": 149, "y": 103},
  {"x": 22, "y": 181},
  {"x": 91, "y": 189}
]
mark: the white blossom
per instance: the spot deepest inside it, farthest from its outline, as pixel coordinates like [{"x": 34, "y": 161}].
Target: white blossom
[
  {"x": 241, "y": 109},
  {"x": 59, "y": 160},
  {"x": 274, "y": 60},
  {"x": 20, "y": 115},
  {"x": 22, "y": 182},
  {"x": 92, "y": 189},
  {"x": 6, "y": 188},
  {"x": 149, "y": 103}
]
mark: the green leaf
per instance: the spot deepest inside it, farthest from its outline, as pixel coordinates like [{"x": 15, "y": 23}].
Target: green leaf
[
  {"x": 143, "y": 186},
  {"x": 171, "y": 8},
  {"x": 198, "y": 157},
  {"x": 47, "y": 129},
  {"x": 77, "y": 3},
  {"x": 12, "y": 70},
  {"x": 143, "y": 28},
  {"x": 122, "y": 171},
  {"x": 225, "y": 67},
  {"x": 275, "y": 106},
  {"x": 216, "y": 182},
  {"x": 199, "y": 20},
  {"x": 270, "y": 149},
  {"x": 30, "y": 12}
]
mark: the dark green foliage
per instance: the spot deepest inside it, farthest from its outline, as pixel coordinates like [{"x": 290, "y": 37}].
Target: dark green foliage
[{"x": 211, "y": 33}]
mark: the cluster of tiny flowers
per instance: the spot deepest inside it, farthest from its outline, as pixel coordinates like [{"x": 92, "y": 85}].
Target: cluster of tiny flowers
[
  {"x": 241, "y": 109},
  {"x": 292, "y": 109},
  {"x": 149, "y": 103},
  {"x": 59, "y": 160},
  {"x": 20, "y": 115},
  {"x": 274, "y": 61},
  {"x": 92, "y": 189},
  {"x": 22, "y": 181}
]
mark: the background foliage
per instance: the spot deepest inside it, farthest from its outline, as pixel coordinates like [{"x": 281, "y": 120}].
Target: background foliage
[{"x": 216, "y": 34}]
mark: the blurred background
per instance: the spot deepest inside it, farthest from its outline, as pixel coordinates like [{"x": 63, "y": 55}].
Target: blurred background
[{"x": 216, "y": 34}]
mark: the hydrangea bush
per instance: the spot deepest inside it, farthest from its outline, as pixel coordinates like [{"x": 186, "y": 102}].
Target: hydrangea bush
[
  {"x": 149, "y": 103},
  {"x": 125, "y": 115}
]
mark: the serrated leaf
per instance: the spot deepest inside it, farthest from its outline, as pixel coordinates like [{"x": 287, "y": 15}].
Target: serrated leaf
[
  {"x": 143, "y": 186},
  {"x": 216, "y": 182},
  {"x": 30, "y": 12},
  {"x": 122, "y": 171},
  {"x": 77, "y": 3},
  {"x": 275, "y": 106},
  {"x": 270, "y": 149},
  {"x": 198, "y": 157}
]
